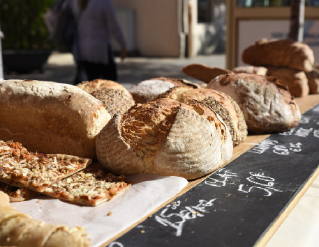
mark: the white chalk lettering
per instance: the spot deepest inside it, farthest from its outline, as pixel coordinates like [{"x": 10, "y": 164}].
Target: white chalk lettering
[
  {"x": 177, "y": 220},
  {"x": 288, "y": 133},
  {"x": 282, "y": 150},
  {"x": 295, "y": 147},
  {"x": 303, "y": 132},
  {"x": 116, "y": 244},
  {"x": 304, "y": 120},
  {"x": 263, "y": 146},
  {"x": 224, "y": 175},
  {"x": 316, "y": 133}
]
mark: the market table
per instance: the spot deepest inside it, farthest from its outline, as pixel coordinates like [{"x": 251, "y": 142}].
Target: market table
[{"x": 245, "y": 202}]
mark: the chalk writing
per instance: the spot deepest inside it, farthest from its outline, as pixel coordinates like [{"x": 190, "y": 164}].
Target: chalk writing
[
  {"x": 263, "y": 146},
  {"x": 224, "y": 175},
  {"x": 288, "y": 133},
  {"x": 304, "y": 120},
  {"x": 316, "y": 133},
  {"x": 116, "y": 244},
  {"x": 260, "y": 182},
  {"x": 177, "y": 220},
  {"x": 303, "y": 132},
  {"x": 316, "y": 108}
]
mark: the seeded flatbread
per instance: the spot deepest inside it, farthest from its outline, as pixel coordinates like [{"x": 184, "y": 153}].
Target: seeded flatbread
[
  {"x": 17, "y": 194},
  {"x": 88, "y": 188},
  {"x": 35, "y": 171}
]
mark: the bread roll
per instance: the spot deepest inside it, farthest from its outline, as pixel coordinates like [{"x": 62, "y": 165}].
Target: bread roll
[
  {"x": 165, "y": 137},
  {"x": 17, "y": 229},
  {"x": 203, "y": 72},
  {"x": 313, "y": 81},
  {"x": 280, "y": 53},
  {"x": 219, "y": 102},
  {"x": 148, "y": 90},
  {"x": 50, "y": 117},
  {"x": 267, "y": 105},
  {"x": 258, "y": 70},
  {"x": 296, "y": 80}
]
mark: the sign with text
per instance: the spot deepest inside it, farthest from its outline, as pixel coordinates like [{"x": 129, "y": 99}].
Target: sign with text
[{"x": 249, "y": 31}]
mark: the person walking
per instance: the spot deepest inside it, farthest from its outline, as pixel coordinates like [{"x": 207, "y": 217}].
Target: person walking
[{"x": 92, "y": 51}]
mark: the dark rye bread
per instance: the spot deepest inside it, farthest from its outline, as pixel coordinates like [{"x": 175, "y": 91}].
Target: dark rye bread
[
  {"x": 148, "y": 90},
  {"x": 280, "y": 53},
  {"x": 217, "y": 101},
  {"x": 165, "y": 137},
  {"x": 296, "y": 80},
  {"x": 203, "y": 72},
  {"x": 50, "y": 117},
  {"x": 267, "y": 105}
]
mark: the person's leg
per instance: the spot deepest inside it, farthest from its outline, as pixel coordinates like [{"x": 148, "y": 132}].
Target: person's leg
[
  {"x": 92, "y": 70},
  {"x": 80, "y": 75},
  {"x": 109, "y": 71}
]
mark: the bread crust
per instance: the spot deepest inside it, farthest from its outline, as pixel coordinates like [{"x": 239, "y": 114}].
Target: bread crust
[
  {"x": 50, "y": 117},
  {"x": 165, "y": 137},
  {"x": 267, "y": 105},
  {"x": 281, "y": 53},
  {"x": 258, "y": 70},
  {"x": 203, "y": 72},
  {"x": 313, "y": 81}
]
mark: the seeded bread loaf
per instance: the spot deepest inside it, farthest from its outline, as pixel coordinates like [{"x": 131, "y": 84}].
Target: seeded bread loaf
[
  {"x": 17, "y": 229},
  {"x": 280, "y": 53},
  {"x": 148, "y": 90},
  {"x": 296, "y": 80},
  {"x": 51, "y": 117},
  {"x": 203, "y": 72},
  {"x": 313, "y": 81},
  {"x": 165, "y": 137},
  {"x": 267, "y": 105},
  {"x": 217, "y": 101},
  {"x": 258, "y": 70}
]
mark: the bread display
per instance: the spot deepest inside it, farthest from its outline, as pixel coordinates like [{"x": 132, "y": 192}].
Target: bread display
[
  {"x": 313, "y": 81},
  {"x": 148, "y": 90},
  {"x": 203, "y": 72},
  {"x": 165, "y": 137},
  {"x": 50, "y": 117},
  {"x": 267, "y": 105},
  {"x": 116, "y": 98},
  {"x": 296, "y": 80},
  {"x": 258, "y": 70},
  {"x": 17, "y": 229},
  {"x": 219, "y": 102},
  {"x": 280, "y": 53}
]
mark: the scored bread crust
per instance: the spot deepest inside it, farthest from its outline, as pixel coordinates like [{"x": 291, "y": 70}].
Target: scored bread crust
[
  {"x": 51, "y": 117},
  {"x": 281, "y": 53},
  {"x": 217, "y": 101},
  {"x": 267, "y": 105},
  {"x": 165, "y": 137},
  {"x": 203, "y": 72}
]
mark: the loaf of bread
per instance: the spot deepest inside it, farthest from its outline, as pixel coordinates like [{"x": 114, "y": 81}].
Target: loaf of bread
[
  {"x": 148, "y": 90},
  {"x": 258, "y": 70},
  {"x": 165, "y": 137},
  {"x": 217, "y": 101},
  {"x": 50, "y": 117},
  {"x": 99, "y": 84},
  {"x": 203, "y": 72},
  {"x": 267, "y": 105},
  {"x": 296, "y": 80},
  {"x": 280, "y": 53},
  {"x": 313, "y": 81},
  {"x": 18, "y": 229}
]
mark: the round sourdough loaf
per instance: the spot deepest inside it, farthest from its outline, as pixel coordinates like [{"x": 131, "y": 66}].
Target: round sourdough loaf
[
  {"x": 148, "y": 90},
  {"x": 217, "y": 101},
  {"x": 165, "y": 137},
  {"x": 267, "y": 105},
  {"x": 51, "y": 117},
  {"x": 116, "y": 98}
]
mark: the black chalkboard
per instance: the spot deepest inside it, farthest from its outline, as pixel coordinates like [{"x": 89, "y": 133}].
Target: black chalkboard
[{"x": 238, "y": 204}]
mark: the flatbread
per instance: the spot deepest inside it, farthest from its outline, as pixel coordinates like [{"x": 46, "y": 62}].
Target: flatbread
[{"x": 17, "y": 194}]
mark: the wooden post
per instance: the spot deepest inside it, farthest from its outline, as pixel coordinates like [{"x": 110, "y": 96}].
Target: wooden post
[{"x": 297, "y": 18}]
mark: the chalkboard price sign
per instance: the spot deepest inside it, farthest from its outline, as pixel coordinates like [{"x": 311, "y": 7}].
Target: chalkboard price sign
[{"x": 238, "y": 204}]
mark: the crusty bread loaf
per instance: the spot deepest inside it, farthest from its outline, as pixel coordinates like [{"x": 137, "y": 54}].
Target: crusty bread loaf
[
  {"x": 281, "y": 53},
  {"x": 99, "y": 84},
  {"x": 203, "y": 72},
  {"x": 296, "y": 80},
  {"x": 217, "y": 101},
  {"x": 165, "y": 137},
  {"x": 148, "y": 90},
  {"x": 267, "y": 105},
  {"x": 50, "y": 117},
  {"x": 17, "y": 229},
  {"x": 313, "y": 81},
  {"x": 258, "y": 70}
]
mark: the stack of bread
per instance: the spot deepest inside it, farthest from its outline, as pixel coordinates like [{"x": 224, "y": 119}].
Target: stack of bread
[{"x": 286, "y": 60}]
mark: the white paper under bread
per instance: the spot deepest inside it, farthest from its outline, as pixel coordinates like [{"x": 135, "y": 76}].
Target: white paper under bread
[{"x": 146, "y": 194}]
